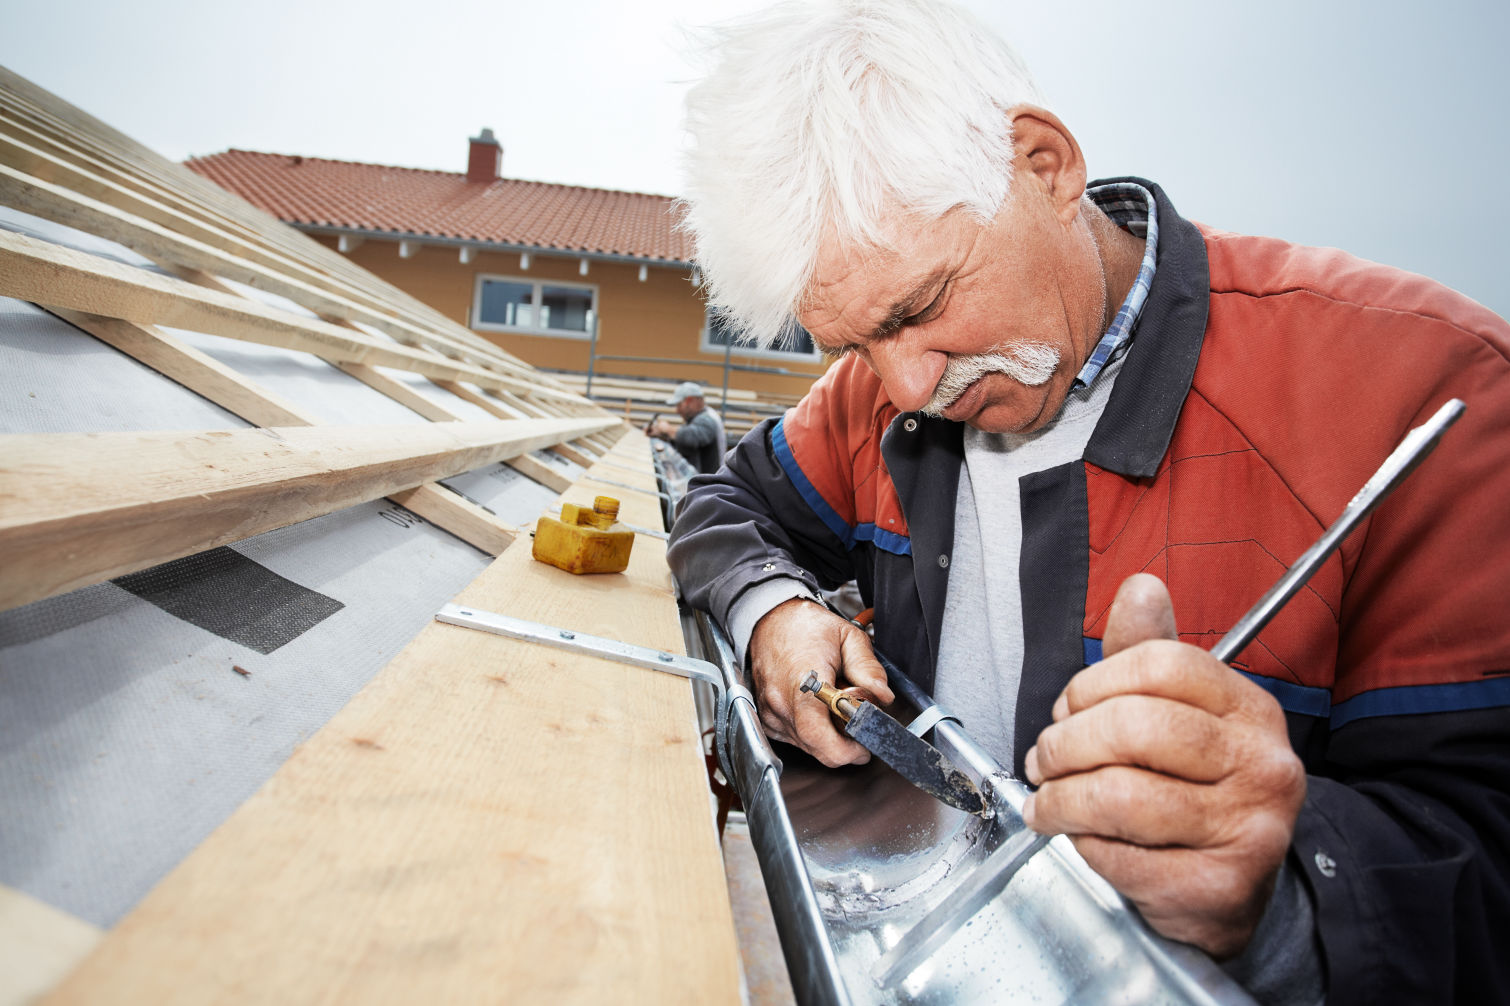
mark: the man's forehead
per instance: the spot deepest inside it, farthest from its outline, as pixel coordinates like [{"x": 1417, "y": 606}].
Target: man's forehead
[{"x": 867, "y": 284}]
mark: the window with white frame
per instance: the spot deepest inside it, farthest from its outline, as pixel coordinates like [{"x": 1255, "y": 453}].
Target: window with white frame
[
  {"x": 536, "y": 307},
  {"x": 717, "y": 335}
]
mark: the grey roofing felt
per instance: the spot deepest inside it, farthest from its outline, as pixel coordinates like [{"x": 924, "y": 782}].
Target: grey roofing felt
[{"x": 126, "y": 734}]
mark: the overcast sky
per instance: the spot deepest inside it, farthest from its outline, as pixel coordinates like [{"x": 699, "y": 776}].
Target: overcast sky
[{"x": 1371, "y": 126}]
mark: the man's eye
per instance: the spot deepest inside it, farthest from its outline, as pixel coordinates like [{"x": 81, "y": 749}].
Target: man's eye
[
  {"x": 837, "y": 352},
  {"x": 935, "y": 306}
]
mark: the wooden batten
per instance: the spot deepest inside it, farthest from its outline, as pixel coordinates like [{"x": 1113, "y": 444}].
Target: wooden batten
[
  {"x": 473, "y": 524},
  {"x": 571, "y": 453},
  {"x": 175, "y": 359},
  {"x": 400, "y": 392},
  {"x": 491, "y": 406},
  {"x": 80, "y": 140},
  {"x": 199, "y": 372},
  {"x": 119, "y": 218},
  {"x": 541, "y": 472},
  {"x": 84, "y": 507},
  {"x": 54, "y": 276}
]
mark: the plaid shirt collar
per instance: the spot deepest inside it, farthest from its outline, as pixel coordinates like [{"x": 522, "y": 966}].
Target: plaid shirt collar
[{"x": 1132, "y": 208}]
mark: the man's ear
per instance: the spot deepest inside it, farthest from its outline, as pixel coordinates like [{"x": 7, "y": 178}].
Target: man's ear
[{"x": 1043, "y": 146}]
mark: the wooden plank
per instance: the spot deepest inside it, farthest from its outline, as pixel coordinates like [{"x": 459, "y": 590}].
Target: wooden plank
[
  {"x": 571, "y": 453},
  {"x": 54, "y": 276},
  {"x": 39, "y": 945},
  {"x": 471, "y": 523},
  {"x": 93, "y": 145},
  {"x": 78, "y": 198},
  {"x": 79, "y": 508},
  {"x": 90, "y": 143},
  {"x": 175, "y": 239},
  {"x": 489, "y": 405},
  {"x": 400, "y": 392},
  {"x": 541, "y": 472},
  {"x": 488, "y": 821},
  {"x": 199, "y": 372},
  {"x": 525, "y": 465},
  {"x": 206, "y": 376},
  {"x": 523, "y": 404}
]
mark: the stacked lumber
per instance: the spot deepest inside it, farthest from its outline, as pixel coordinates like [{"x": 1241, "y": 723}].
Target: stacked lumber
[{"x": 637, "y": 400}]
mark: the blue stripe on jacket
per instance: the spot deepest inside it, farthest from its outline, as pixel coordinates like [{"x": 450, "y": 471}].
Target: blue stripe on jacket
[
  {"x": 1401, "y": 700},
  {"x": 887, "y": 541}
]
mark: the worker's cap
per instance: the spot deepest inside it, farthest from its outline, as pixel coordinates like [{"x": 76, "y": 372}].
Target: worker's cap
[{"x": 687, "y": 389}]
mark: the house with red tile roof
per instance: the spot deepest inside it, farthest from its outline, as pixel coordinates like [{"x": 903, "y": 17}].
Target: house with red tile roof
[{"x": 562, "y": 276}]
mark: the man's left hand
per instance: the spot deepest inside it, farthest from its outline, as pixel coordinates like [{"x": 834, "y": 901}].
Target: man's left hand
[{"x": 1173, "y": 775}]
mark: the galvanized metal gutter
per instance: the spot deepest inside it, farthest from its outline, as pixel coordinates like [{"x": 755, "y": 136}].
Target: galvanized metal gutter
[{"x": 883, "y": 895}]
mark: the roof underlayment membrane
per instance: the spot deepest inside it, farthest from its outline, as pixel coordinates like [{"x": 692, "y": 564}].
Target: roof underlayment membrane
[{"x": 128, "y": 733}]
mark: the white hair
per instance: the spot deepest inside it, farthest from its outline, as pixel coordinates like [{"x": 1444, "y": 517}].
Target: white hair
[{"x": 826, "y": 119}]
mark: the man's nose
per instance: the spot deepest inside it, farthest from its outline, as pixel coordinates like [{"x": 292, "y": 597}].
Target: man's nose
[{"x": 909, "y": 372}]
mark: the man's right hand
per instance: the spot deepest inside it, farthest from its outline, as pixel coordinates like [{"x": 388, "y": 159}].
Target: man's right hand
[{"x": 798, "y": 636}]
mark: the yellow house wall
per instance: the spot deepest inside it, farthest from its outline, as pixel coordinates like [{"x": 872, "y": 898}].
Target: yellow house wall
[{"x": 660, "y": 318}]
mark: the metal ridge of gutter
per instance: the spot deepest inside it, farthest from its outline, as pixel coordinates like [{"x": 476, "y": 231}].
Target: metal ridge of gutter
[{"x": 493, "y": 246}]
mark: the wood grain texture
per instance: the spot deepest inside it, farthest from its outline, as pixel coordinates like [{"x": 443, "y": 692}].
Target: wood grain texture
[
  {"x": 54, "y": 202},
  {"x": 571, "y": 453},
  {"x": 400, "y": 392},
  {"x": 534, "y": 468},
  {"x": 479, "y": 528},
  {"x": 178, "y": 239},
  {"x": 54, "y": 276},
  {"x": 488, "y": 821},
  {"x": 64, "y": 131},
  {"x": 79, "y": 508},
  {"x": 490, "y": 405},
  {"x": 199, "y": 372},
  {"x": 206, "y": 376}
]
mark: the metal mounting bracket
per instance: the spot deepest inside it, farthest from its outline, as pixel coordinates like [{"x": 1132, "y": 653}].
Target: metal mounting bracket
[
  {"x": 928, "y": 719},
  {"x": 581, "y": 642}
]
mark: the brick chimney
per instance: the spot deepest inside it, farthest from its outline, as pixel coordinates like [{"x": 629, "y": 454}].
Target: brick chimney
[{"x": 484, "y": 158}]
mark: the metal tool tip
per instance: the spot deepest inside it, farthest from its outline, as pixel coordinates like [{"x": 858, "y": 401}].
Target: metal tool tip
[{"x": 810, "y": 683}]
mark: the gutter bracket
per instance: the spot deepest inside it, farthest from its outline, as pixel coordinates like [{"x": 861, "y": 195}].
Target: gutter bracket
[{"x": 580, "y": 642}]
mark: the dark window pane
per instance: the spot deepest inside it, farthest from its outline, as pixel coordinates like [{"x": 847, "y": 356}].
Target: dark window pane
[
  {"x": 719, "y": 333},
  {"x": 797, "y": 341},
  {"x": 567, "y": 308},
  {"x": 506, "y": 303}
]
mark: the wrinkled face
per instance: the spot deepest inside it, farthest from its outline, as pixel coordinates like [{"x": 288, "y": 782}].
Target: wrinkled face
[{"x": 1027, "y": 289}]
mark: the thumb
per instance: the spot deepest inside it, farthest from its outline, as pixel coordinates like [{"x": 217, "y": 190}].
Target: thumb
[
  {"x": 1142, "y": 610},
  {"x": 861, "y": 666}
]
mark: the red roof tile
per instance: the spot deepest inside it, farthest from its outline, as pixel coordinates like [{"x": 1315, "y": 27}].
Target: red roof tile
[{"x": 373, "y": 197}]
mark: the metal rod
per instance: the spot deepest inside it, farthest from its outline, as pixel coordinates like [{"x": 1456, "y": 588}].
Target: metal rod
[
  {"x": 592, "y": 356},
  {"x": 581, "y": 642},
  {"x": 728, "y": 350},
  {"x": 1413, "y": 449}
]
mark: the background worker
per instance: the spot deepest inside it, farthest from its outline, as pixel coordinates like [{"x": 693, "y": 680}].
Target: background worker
[
  {"x": 700, "y": 438},
  {"x": 1049, "y": 388}
]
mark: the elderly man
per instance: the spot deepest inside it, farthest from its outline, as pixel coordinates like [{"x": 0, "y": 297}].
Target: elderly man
[
  {"x": 1047, "y": 390},
  {"x": 700, "y": 438}
]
